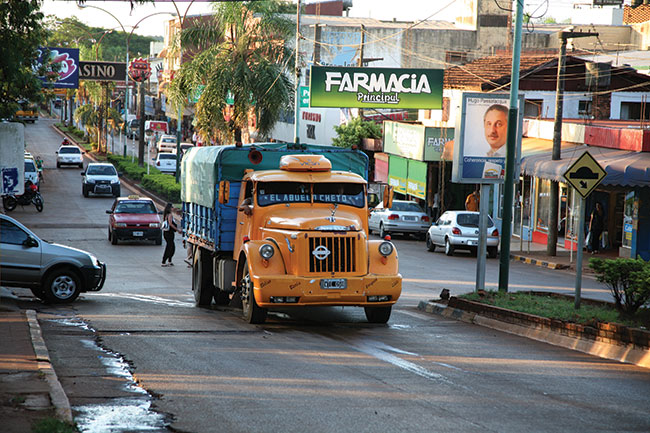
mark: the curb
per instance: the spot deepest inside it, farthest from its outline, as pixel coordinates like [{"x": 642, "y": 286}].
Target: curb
[
  {"x": 616, "y": 352},
  {"x": 537, "y": 262},
  {"x": 57, "y": 394}
]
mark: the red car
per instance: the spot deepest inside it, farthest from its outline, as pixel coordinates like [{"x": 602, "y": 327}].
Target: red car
[{"x": 134, "y": 218}]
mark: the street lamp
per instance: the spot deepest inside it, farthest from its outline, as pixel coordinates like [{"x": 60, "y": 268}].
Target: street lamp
[
  {"x": 126, "y": 105},
  {"x": 99, "y": 43}
]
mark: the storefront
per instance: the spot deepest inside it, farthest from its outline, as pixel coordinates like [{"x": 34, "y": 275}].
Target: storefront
[
  {"x": 624, "y": 194},
  {"x": 415, "y": 159}
]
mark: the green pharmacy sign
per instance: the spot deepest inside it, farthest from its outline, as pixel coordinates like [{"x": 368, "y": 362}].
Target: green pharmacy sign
[{"x": 375, "y": 87}]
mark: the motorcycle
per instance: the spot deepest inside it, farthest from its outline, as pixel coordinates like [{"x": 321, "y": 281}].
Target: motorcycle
[{"x": 30, "y": 196}]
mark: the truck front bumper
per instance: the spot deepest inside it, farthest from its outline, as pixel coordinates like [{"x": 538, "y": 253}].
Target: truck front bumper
[{"x": 368, "y": 290}]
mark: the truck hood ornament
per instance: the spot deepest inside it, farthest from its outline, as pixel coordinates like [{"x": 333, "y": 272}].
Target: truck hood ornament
[{"x": 321, "y": 252}]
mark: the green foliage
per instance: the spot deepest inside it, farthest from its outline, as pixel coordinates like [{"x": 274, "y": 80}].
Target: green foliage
[
  {"x": 129, "y": 169},
  {"x": 21, "y": 33},
  {"x": 627, "y": 279},
  {"x": 53, "y": 425},
  {"x": 241, "y": 51},
  {"x": 351, "y": 133},
  {"x": 163, "y": 185},
  {"x": 547, "y": 306}
]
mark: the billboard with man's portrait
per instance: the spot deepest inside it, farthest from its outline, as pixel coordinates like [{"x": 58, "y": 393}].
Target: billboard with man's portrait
[{"x": 480, "y": 156}]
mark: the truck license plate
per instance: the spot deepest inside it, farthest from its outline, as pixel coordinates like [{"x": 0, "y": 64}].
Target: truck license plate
[
  {"x": 334, "y": 283},
  {"x": 137, "y": 233}
]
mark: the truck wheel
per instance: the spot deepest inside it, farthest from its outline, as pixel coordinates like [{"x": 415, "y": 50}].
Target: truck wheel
[
  {"x": 430, "y": 245},
  {"x": 251, "y": 311},
  {"x": 221, "y": 297},
  {"x": 377, "y": 314},
  {"x": 202, "y": 279},
  {"x": 62, "y": 286}
]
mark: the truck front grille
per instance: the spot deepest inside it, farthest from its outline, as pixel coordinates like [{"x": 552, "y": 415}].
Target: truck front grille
[{"x": 341, "y": 257}]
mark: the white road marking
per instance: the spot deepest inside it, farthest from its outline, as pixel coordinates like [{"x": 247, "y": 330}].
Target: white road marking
[{"x": 147, "y": 298}]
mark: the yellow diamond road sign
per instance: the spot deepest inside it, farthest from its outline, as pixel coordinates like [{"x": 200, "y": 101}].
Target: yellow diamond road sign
[{"x": 585, "y": 174}]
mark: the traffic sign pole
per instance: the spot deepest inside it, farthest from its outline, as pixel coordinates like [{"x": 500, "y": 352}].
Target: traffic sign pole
[{"x": 581, "y": 243}]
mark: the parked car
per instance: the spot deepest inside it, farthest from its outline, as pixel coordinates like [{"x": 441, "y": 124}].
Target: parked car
[
  {"x": 185, "y": 147},
  {"x": 54, "y": 273},
  {"x": 31, "y": 171},
  {"x": 134, "y": 217},
  {"x": 166, "y": 162},
  {"x": 458, "y": 230},
  {"x": 166, "y": 143},
  {"x": 403, "y": 217},
  {"x": 69, "y": 155},
  {"x": 100, "y": 178}
]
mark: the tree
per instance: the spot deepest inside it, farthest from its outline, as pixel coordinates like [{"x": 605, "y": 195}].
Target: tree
[
  {"x": 240, "y": 53},
  {"x": 352, "y": 133},
  {"x": 21, "y": 33}
]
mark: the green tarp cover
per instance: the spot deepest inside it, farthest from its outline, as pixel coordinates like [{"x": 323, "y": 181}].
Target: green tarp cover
[{"x": 204, "y": 167}]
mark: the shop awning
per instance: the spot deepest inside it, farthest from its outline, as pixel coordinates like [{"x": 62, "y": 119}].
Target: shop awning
[{"x": 624, "y": 168}]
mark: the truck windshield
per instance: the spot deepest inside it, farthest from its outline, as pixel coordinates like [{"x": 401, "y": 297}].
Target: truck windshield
[
  {"x": 270, "y": 193},
  {"x": 351, "y": 194}
]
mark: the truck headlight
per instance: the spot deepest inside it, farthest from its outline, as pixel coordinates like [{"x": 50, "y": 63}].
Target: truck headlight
[
  {"x": 266, "y": 251},
  {"x": 385, "y": 249}
]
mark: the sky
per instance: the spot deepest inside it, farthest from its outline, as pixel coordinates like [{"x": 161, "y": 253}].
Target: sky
[{"x": 408, "y": 10}]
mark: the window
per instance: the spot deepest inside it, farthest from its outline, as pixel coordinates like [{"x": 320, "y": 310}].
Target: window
[
  {"x": 106, "y": 170},
  {"x": 584, "y": 108},
  {"x": 11, "y": 233},
  {"x": 351, "y": 194},
  {"x": 135, "y": 207},
  {"x": 633, "y": 110},
  {"x": 270, "y": 193},
  {"x": 543, "y": 204},
  {"x": 70, "y": 150},
  {"x": 533, "y": 107},
  {"x": 456, "y": 57}
]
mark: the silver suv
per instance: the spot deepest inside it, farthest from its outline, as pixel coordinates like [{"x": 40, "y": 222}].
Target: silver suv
[
  {"x": 54, "y": 273},
  {"x": 100, "y": 178}
]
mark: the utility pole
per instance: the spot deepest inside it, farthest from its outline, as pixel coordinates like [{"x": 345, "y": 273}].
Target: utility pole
[
  {"x": 360, "y": 60},
  {"x": 296, "y": 114},
  {"x": 551, "y": 244},
  {"x": 511, "y": 143}
]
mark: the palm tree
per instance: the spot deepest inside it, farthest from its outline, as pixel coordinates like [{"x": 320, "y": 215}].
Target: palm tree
[{"x": 241, "y": 53}]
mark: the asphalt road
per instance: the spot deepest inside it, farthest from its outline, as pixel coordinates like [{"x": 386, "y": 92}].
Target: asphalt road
[{"x": 311, "y": 369}]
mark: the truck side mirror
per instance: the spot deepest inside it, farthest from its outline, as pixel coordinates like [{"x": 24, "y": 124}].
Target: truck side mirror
[
  {"x": 224, "y": 191},
  {"x": 388, "y": 197}
]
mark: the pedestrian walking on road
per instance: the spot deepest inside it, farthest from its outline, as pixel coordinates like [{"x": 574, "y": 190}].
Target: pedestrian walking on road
[
  {"x": 169, "y": 226},
  {"x": 472, "y": 202}
]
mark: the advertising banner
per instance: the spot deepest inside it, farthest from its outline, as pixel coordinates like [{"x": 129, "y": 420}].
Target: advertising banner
[
  {"x": 102, "y": 71},
  {"x": 67, "y": 66},
  {"x": 480, "y": 155},
  {"x": 375, "y": 87},
  {"x": 397, "y": 173},
  {"x": 437, "y": 143},
  {"x": 416, "y": 182},
  {"x": 404, "y": 139}
]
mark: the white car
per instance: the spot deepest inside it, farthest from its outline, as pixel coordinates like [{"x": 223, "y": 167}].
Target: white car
[
  {"x": 69, "y": 155},
  {"x": 458, "y": 229},
  {"x": 166, "y": 143},
  {"x": 166, "y": 162},
  {"x": 31, "y": 171},
  {"x": 100, "y": 178},
  {"x": 404, "y": 216}
]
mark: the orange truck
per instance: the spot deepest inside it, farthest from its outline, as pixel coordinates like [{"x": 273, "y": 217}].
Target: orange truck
[{"x": 276, "y": 225}]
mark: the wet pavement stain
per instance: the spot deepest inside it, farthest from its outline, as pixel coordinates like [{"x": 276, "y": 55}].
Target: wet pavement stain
[{"x": 131, "y": 414}]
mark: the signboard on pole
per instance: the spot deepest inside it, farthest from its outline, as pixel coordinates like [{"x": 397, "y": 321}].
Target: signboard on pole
[
  {"x": 480, "y": 153},
  {"x": 102, "y": 71},
  {"x": 375, "y": 87},
  {"x": 585, "y": 174},
  {"x": 67, "y": 67}
]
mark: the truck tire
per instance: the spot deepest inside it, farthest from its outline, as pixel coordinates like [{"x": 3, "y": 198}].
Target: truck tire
[
  {"x": 377, "y": 314},
  {"x": 221, "y": 297},
  {"x": 61, "y": 286},
  {"x": 202, "y": 278},
  {"x": 251, "y": 311}
]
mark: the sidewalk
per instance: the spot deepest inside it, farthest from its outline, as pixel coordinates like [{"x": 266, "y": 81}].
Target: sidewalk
[
  {"x": 535, "y": 254},
  {"x": 29, "y": 389}
]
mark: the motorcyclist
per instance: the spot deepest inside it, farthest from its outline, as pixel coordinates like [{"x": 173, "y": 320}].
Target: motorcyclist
[{"x": 65, "y": 142}]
